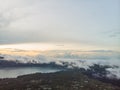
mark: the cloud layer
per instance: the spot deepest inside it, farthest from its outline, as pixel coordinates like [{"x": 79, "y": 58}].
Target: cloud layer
[
  {"x": 83, "y": 60},
  {"x": 23, "y": 21}
]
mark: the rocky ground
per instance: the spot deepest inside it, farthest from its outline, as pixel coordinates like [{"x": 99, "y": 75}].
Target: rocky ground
[{"x": 63, "y": 80}]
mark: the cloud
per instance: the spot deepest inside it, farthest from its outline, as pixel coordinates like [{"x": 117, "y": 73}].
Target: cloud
[
  {"x": 115, "y": 33},
  {"x": 70, "y": 59},
  {"x": 100, "y": 51},
  {"x": 24, "y": 21},
  {"x": 10, "y": 16},
  {"x": 4, "y": 22}
]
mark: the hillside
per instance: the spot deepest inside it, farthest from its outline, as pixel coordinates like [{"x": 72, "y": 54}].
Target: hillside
[{"x": 63, "y": 80}]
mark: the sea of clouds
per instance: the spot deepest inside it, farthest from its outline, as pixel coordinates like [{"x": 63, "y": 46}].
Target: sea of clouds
[{"x": 81, "y": 61}]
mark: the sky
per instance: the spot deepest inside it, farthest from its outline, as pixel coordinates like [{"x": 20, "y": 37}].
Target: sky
[{"x": 60, "y": 24}]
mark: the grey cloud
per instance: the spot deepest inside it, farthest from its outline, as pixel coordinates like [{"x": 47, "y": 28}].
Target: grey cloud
[
  {"x": 7, "y": 35},
  {"x": 5, "y": 21},
  {"x": 58, "y": 25},
  {"x": 100, "y": 51},
  {"x": 113, "y": 33},
  {"x": 60, "y": 45}
]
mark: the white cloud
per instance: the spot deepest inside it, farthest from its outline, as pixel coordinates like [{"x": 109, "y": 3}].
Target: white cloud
[{"x": 56, "y": 21}]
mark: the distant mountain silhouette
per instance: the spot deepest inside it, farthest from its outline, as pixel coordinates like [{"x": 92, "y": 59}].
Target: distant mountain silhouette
[{"x": 5, "y": 63}]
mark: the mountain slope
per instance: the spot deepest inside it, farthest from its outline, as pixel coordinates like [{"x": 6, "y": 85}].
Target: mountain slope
[{"x": 64, "y": 80}]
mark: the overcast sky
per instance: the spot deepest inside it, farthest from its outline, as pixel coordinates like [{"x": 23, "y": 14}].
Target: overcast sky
[{"x": 83, "y": 22}]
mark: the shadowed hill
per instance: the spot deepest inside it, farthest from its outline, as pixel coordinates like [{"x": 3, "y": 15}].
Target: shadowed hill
[{"x": 63, "y": 80}]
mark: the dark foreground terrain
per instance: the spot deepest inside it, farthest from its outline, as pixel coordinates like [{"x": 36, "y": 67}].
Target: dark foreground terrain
[{"x": 63, "y": 80}]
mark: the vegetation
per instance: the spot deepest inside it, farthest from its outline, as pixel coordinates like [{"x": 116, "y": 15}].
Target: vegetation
[{"x": 63, "y": 80}]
